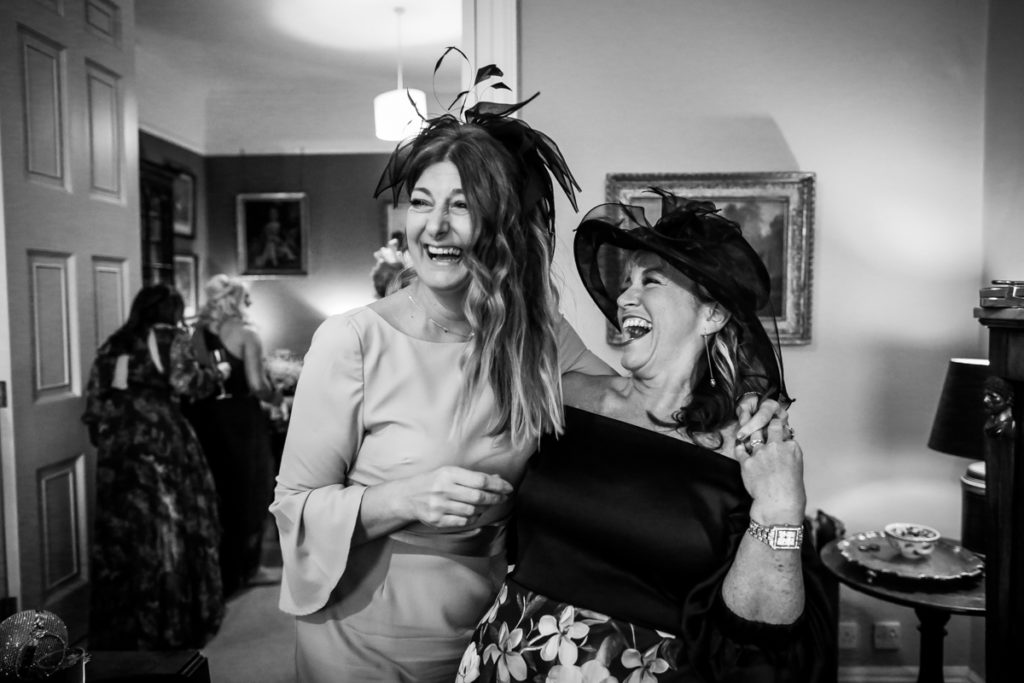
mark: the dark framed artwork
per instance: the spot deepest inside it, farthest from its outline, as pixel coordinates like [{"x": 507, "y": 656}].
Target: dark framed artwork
[
  {"x": 184, "y": 203},
  {"x": 393, "y": 220},
  {"x": 186, "y": 281},
  {"x": 776, "y": 213},
  {"x": 273, "y": 233}
]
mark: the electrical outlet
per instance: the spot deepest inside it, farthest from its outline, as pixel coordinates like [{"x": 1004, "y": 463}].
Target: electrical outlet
[
  {"x": 849, "y": 635},
  {"x": 887, "y": 635}
]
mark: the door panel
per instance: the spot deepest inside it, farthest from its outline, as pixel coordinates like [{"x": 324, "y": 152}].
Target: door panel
[{"x": 68, "y": 136}]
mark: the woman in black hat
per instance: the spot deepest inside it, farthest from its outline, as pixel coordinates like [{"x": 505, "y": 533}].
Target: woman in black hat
[{"x": 652, "y": 545}]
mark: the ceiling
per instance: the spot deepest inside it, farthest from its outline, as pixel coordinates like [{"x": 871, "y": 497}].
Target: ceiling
[{"x": 228, "y": 52}]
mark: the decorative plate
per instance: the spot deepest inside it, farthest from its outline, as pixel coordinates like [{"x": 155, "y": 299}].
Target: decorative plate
[{"x": 948, "y": 562}]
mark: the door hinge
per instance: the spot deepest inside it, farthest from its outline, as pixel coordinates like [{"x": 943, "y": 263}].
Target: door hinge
[{"x": 3, "y": 394}]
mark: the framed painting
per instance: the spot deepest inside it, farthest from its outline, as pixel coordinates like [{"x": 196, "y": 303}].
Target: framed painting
[
  {"x": 183, "y": 190},
  {"x": 776, "y": 214},
  {"x": 393, "y": 220},
  {"x": 273, "y": 233},
  {"x": 186, "y": 281}
]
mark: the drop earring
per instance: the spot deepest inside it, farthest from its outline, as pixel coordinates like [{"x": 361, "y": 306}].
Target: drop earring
[{"x": 711, "y": 367}]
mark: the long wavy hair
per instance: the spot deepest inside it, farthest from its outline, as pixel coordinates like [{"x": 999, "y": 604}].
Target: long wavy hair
[
  {"x": 511, "y": 303},
  {"x": 154, "y": 304}
]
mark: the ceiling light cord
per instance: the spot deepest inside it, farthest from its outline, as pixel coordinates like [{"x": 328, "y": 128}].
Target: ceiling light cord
[{"x": 399, "y": 11}]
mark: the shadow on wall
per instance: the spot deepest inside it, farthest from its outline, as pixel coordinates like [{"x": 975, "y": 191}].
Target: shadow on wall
[
  {"x": 284, "y": 315},
  {"x": 909, "y": 381},
  {"x": 730, "y": 141}
]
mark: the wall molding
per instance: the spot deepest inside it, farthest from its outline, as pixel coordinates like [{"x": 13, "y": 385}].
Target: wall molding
[{"x": 903, "y": 674}]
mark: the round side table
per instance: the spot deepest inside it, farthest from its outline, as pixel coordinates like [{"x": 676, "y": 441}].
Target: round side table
[{"x": 933, "y": 604}]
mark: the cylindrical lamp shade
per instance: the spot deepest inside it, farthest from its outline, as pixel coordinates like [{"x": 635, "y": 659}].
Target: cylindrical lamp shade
[
  {"x": 972, "y": 510},
  {"x": 394, "y": 116},
  {"x": 960, "y": 418}
]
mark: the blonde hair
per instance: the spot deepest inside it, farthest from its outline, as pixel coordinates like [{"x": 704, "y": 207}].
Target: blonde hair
[{"x": 225, "y": 300}]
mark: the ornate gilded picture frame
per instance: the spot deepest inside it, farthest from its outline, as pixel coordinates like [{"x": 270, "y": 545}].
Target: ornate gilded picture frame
[{"x": 776, "y": 212}]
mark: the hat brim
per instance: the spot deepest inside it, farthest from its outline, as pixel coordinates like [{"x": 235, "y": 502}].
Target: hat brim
[{"x": 593, "y": 264}]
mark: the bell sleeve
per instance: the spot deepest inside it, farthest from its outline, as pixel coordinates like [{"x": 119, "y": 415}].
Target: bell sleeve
[
  {"x": 315, "y": 509},
  {"x": 721, "y": 645}
]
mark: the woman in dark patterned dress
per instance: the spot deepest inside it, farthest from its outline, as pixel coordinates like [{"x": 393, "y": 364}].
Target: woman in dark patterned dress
[
  {"x": 653, "y": 544},
  {"x": 155, "y": 573}
]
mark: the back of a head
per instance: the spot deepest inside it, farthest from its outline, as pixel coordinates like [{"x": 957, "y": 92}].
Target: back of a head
[
  {"x": 225, "y": 298},
  {"x": 154, "y": 304},
  {"x": 159, "y": 303}
]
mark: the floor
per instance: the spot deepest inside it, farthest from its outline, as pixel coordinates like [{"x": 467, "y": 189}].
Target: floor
[{"x": 256, "y": 642}]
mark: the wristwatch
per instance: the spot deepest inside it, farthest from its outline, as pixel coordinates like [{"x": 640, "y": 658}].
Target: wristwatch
[{"x": 778, "y": 536}]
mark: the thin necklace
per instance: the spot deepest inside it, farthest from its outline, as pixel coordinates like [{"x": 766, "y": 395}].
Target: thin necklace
[{"x": 437, "y": 324}]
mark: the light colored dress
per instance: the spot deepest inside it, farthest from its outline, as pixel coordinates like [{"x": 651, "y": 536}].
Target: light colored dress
[{"x": 374, "y": 404}]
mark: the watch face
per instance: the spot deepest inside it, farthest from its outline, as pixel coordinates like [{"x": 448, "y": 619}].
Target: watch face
[{"x": 787, "y": 538}]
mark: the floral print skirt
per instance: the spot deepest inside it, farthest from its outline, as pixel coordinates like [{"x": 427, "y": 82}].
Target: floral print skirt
[{"x": 527, "y": 637}]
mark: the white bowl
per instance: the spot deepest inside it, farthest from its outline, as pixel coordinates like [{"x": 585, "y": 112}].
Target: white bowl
[{"x": 913, "y": 541}]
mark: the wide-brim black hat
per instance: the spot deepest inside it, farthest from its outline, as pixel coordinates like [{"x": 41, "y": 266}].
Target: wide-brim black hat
[{"x": 704, "y": 246}]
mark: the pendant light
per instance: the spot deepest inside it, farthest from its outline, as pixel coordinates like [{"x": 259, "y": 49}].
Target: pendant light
[{"x": 394, "y": 115}]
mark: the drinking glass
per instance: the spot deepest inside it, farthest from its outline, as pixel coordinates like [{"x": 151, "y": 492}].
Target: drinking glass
[{"x": 218, "y": 358}]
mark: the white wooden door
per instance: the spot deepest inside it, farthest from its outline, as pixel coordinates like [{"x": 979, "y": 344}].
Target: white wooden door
[{"x": 70, "y": 229}]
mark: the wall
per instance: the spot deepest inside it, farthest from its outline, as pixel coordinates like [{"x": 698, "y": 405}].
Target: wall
[
  {"x": 885, "y": 103},
  {"x": 164, "y": 153},
  {"x": 345, "y": 228},
  {"x": 1004, "y": 143}
]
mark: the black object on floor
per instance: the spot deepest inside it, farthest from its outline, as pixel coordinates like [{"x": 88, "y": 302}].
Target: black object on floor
[{"x": 163, "y": 666}]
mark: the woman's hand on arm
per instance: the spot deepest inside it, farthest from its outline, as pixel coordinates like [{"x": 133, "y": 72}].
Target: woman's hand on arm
[
  {"x": 447, "y": 498},
  {"x": 753, "y": 414},
  {"x": 764, "y": 584}
]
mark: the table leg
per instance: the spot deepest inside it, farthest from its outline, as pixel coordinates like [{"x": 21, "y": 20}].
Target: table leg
[{"x": 933, "y": 631}]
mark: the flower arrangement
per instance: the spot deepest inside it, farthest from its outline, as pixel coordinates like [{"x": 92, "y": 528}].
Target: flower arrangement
[
  {"x": 283, "y": 367},
  {"x": 392, "y": 266}
]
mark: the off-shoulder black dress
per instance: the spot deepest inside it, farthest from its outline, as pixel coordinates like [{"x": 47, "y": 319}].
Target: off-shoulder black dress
[{"x": 624, "y": 538}]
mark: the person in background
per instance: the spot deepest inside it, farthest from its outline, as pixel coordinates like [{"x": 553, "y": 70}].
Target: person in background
[
  {"x": 155, "y": 577},
  {"x": 392, "y": 268},
  {"x": 652, "y": 544},
  {"x": 234, "y": 429}
]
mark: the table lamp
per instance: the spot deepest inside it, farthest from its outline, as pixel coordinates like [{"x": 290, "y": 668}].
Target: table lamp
[{"x": 958, "y": 429}]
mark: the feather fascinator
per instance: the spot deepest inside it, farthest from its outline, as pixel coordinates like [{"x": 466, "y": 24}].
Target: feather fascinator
[{"x": 538, "y": 157}]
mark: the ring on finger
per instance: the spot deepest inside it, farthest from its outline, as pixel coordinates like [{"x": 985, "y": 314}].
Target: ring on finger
[
  {"x": 790, "y": 432},
  {"x": 754, "y": 443}
]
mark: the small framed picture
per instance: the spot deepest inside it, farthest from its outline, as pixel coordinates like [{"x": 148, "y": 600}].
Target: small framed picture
[
  {"x": 184, "y": 198},
  {"x": 775, "y": 211},
  {"x": 393, "y": 220},
  {"x": 273, "y": 231},
  {"x": 186, "y": 281}
]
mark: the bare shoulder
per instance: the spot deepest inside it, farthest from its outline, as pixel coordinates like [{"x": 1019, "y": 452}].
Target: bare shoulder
[
  {"x": 251, "y": 338},
  {"x": 588, "y": 392}
]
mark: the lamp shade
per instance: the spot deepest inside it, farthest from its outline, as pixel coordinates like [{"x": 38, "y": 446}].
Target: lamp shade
[
  {"x": 960, "y": 418},
  {"x": 394, "y": 116}
]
